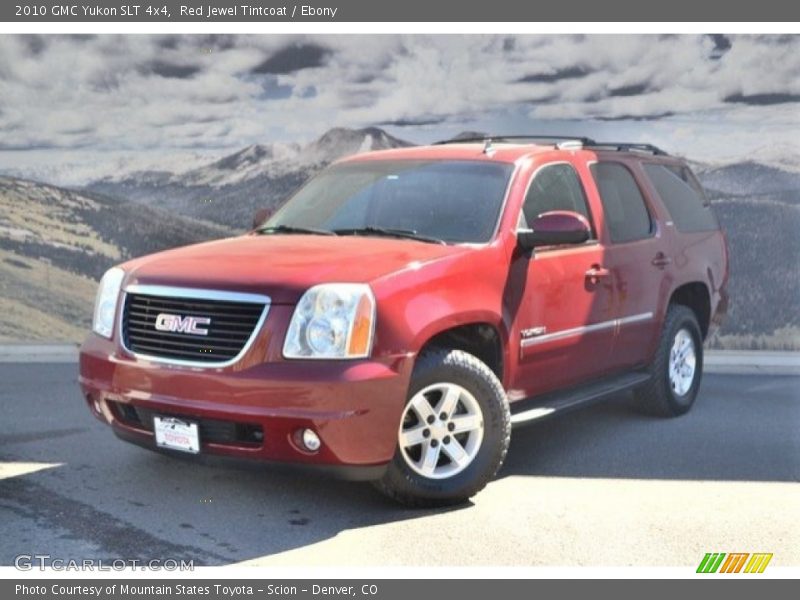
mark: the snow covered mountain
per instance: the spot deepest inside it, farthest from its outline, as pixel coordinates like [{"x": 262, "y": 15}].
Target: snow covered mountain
[
  {"x": 87, "y": 166},
  {"x": 229, "y": 190}
]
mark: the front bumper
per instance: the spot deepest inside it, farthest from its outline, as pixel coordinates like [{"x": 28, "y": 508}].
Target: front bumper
[{"x": 354, "y": 406}]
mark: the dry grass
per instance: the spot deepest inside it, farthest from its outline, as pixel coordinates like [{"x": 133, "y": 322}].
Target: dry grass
[
  {"x": 785, "y": 338},
  {"x": 40, "y": 302},
  {"x": 37, "y": 212}
]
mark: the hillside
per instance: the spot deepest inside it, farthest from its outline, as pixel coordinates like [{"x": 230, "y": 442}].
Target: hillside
[
  {"x": 749, "y": 178},
  {"x": 230, "y": 190},
  {"x": 764, "y": 279},
  {"x": 55, "y": 244},
  {"x": 758, "y": 206}
]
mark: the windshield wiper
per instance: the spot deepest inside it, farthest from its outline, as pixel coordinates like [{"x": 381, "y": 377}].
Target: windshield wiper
[
  {"x": 409, "y": 234},
  {"x": 294, "y": 229}
]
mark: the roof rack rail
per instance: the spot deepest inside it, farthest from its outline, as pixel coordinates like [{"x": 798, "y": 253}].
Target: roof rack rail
[
  {"x": 561, "y": 141},
  {"x": 501, "y": 138},
  {"x": 628, "y": 147}
]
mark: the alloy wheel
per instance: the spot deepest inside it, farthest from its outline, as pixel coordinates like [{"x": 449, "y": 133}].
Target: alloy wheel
[
  {"x": 441, "y": 430},
  {"x": 682, "y": 363}
]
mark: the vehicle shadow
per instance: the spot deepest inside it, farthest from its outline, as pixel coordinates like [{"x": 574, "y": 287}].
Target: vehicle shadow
[{"x": 741, "y": 429}]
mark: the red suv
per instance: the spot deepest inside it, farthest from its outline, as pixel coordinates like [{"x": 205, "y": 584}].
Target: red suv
[{"x": 402, "y": 310}]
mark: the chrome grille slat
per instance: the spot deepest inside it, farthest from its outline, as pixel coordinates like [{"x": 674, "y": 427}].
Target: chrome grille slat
[
  {"x": 234, "y": 328},
  {"x": 157, "y": 351},
  {"x": 209, "y": 346},
  {"x": 235, "y": 320},
  {"x": 213, "y": 312},
  {"x": 185, "y": 337},
  {"x": 227, "y": 317}
]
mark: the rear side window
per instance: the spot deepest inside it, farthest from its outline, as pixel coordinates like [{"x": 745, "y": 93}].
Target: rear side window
[
  {"x": 623, "y": 203},
  {"x": 555, "y": 187},
  {"x": 682, "y": 196}
]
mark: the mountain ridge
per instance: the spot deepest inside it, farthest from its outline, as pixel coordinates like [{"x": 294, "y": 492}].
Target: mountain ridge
[{"x": 231, "y": 189}]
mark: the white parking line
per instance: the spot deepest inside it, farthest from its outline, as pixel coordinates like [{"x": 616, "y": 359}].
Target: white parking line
[{"x": 16, "y": 469}]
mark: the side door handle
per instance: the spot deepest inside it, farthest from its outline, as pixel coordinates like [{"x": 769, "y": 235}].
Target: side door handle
[
  {"x": 596, "y": 272},
  {"x": 661, "y": 260}
]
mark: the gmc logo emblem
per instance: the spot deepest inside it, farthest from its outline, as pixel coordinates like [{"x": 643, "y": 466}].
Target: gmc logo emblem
[{"x": 179, "y": 324}]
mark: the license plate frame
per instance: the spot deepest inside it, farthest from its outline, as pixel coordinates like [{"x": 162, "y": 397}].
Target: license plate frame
[{"x": 172, "y": 433}]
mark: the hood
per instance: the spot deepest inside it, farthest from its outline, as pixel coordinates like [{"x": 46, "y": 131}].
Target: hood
[{"x": 283, "y": 266}]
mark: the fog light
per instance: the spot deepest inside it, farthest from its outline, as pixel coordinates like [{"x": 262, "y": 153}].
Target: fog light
[
  {"x": 98, "y": 409},
  {"x": 311, "y": 440}
]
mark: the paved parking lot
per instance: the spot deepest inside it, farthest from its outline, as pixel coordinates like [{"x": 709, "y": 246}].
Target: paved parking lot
[{"x": 605, "y": 486}]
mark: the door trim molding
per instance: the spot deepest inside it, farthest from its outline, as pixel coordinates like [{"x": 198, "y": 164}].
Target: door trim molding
[{"x": 576, "y": 331}]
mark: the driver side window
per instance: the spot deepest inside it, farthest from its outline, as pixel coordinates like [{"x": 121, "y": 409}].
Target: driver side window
[{"x": 554, "y": 187}]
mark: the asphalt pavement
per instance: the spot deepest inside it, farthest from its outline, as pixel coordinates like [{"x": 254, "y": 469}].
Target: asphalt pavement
[{"x": 604, "y": 486}]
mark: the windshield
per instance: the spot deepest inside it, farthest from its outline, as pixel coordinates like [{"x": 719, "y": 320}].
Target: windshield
[{"x": 453, "y": 201}]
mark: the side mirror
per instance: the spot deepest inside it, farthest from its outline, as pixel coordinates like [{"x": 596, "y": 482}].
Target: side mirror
[
  {"x": 555, "y": 228},
  {"x": 262, "y": 214}
]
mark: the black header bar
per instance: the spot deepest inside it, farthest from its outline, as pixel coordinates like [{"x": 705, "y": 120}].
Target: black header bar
[{"x": 209, "y": 11}]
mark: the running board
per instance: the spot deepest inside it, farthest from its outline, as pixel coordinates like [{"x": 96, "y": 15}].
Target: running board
[{"x": 548, "y": 405}]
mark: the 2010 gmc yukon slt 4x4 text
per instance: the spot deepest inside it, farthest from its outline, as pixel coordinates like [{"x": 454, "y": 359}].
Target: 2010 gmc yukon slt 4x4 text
[{"x": 403, "y": 309}]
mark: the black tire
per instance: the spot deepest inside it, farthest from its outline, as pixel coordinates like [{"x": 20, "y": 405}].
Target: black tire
[
  {"x": 411, "y": 488},
  {"x": 657, "y": 397}
]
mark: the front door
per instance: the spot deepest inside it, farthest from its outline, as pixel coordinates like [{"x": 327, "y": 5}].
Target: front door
[{"x": 566, "y": 313}]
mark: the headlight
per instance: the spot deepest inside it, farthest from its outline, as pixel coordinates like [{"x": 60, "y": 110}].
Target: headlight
[
  {"x": 332, "y": 320},
  {"x": 105, "y": 306}
]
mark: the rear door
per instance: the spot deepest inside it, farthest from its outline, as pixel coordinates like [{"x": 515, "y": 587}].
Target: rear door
[
  {"x": 565, "y": 317},
  {"x": 636, "y": 255}
]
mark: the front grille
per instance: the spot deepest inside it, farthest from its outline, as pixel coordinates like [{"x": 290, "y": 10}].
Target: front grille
[
  {"x": 211, "y": 430},
  {"x": 231, "y": 325}
]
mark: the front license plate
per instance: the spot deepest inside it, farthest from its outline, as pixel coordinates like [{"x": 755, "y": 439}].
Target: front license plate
[{"x": 176, "y": 434}]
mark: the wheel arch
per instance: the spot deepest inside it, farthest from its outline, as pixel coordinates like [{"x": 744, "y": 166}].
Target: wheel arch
[
  {"x": 481, "y": 335},
  {"x": 695, "y": 296}
]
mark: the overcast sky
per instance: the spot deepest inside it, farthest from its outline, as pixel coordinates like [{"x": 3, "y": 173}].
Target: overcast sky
[{"x": 63, "y": 98}]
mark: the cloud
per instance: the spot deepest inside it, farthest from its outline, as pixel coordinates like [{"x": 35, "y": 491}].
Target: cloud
[
  {"x": 722, "y": 43},
  {"x": 636, "y": 89},
  {"x": 762, "y": 99},
  {"x": 414, "y": 122},
  {"x": 573, "y": 72},
  {"x": 35, "y": 43},
  {"x": 293, "y": 58},
  {"x": 140, "y": 93},
  {"x": 641, "y": 117},
  {"x": 170, "y": 70}
]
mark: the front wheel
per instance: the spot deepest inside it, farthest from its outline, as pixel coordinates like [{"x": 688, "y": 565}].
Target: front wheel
[
  {"x": 454, "y": 432},
  {"x": 677, "y": 367}
]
